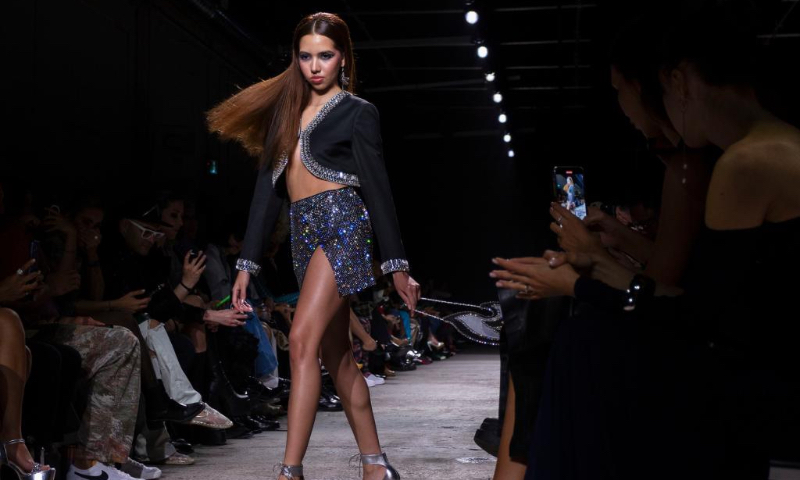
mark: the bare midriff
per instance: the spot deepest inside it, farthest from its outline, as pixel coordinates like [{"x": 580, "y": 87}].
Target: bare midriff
[{"x": 301, "y": 183}]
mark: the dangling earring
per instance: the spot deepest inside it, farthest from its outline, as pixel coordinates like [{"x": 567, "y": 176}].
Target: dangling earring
[
  {"x": 344, "y": 80},
  {"x": 683, "y": 140}
]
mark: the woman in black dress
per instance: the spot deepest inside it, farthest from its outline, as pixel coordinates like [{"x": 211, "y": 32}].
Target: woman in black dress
[{"x": 731, "y": 326}]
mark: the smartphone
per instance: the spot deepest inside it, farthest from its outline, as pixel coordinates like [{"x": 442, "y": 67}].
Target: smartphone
[
  {"x": 569, "y": 189},
  {"x": 34, "y": 253},
  {"x": 192, "y": 254},
  {"x": 152, "y": 292}
]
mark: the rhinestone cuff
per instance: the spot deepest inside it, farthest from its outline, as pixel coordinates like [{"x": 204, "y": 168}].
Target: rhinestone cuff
[
  {"x": 248, "y": 266},
  {"x": 395, "y": 265}
]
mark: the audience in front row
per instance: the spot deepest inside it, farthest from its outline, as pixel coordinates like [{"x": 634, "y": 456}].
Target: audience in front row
[{"x": 130, "y": 320}]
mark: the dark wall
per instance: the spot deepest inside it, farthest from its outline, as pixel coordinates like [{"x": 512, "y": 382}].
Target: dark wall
[{"x": 111, "y": 95}]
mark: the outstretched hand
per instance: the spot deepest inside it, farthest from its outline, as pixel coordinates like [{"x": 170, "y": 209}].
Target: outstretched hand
[{"x": 239, "y": 292}]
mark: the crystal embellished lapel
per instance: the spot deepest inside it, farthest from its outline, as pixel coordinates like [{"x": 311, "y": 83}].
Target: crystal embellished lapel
[{"x": 308, "y": 160}]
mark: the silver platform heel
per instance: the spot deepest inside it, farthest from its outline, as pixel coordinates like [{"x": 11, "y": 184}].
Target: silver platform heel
[
  {"x": 36, "y": 474},
  {"x": 290, "y": 471},
  {"x": 380, "y": 459}
]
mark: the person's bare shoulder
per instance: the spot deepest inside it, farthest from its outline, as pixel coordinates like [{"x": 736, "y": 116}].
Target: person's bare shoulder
[{"x": 758, "y": 176}]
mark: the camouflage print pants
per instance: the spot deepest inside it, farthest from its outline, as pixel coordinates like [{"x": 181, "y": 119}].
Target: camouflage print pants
[{"x": 111, "y": 365}]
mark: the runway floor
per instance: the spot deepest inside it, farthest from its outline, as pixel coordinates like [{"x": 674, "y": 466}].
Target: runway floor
[{"x": 426, "y": 421}]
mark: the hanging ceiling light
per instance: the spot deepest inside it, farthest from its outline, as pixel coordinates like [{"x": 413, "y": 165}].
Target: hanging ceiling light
[
  {"x": 490, "y": 77},
  {"x": 472, "y": 17},
  {"x": 483, "y": 52},
  {"x": 511, "y": 153},
  {"x": 502, "y": 118},
  {"x": 497, "y": 97},
  {"x": 507, "y": 137}
]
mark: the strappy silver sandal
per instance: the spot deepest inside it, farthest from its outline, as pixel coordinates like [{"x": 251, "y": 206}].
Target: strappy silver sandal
[
  {"x": 378, "y": 459},
  {"x": 37, "y": 473},
  {"x": 290, "y": 472}
]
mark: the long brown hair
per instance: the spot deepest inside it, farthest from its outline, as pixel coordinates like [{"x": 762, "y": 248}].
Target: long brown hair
[{"x": 265, "y": 117}]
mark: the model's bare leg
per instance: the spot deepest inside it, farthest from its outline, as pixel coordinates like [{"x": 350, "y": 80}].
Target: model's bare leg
[
  {"x": 337, "y": 356},
  {"x": 14, "y": 368},
  {"x": 318, "y": 304},
  {"x": 507, "y": 467}
]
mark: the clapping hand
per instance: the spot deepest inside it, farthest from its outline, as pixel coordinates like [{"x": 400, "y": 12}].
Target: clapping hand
[{"x": 534, "y": 277}]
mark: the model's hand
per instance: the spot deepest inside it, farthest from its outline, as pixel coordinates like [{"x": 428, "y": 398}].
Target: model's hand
[
  {"x": 228, "y": 317},
  {"x": 129, "y": 303},
  {"x": 573, "y": 236},
  {"x": 408, "y": 289},
  {"x": 15, "y": 286},
  {"x": 535, "y": 280},
  {"x": 239, "y": 292},
  {"x": 193, "y": 268}
]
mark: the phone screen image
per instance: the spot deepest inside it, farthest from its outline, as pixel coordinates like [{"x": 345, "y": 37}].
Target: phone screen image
[{"x": 570, "y": 189}]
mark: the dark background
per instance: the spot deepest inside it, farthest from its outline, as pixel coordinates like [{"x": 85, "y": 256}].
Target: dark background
[{"x": 109, "y": 95}]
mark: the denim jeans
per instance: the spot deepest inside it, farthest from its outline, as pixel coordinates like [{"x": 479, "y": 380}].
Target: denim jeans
[{"x": 266, "y": 361}]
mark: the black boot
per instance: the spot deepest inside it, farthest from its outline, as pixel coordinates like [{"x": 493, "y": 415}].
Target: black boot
[
  {"x": 161, "y": 408},
  {"x": 221, "y": 394}
]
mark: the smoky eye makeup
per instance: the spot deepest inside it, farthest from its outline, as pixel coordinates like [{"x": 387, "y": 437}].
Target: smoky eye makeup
[{"x": 324, "y": 55}]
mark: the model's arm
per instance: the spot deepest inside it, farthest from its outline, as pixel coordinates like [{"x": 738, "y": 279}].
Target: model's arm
[
  {"x": 368, "y": 154},
  {"x": 264, "y": 210}
]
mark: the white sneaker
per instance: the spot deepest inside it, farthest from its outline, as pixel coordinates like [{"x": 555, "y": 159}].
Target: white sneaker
[
  {"x": 140, "y": 470},
  {"x": 370, "y": 382},
  {"x": 375, "y": 380},
  {"x": 99, "y": 471}
]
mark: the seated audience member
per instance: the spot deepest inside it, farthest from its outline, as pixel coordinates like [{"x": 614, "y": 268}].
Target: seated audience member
[
  {"x": 126, "y": 271},
  {"x": 109, "y": 356}
]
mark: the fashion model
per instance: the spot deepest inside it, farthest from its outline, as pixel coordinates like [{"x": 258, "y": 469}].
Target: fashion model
[{"x": 320, "y": 146}]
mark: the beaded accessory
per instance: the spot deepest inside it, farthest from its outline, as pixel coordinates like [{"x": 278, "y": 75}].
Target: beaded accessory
[
  {"x": 395, "y": 265},
  {"x": 481, "y": 326},
  {"x": 248, "y": 266}
]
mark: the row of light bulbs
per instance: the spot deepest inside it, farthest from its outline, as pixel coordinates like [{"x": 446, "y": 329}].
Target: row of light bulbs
[{"x": 483, "y": 52}]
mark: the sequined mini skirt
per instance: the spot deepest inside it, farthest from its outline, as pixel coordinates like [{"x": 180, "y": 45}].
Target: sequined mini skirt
[{"x": 337, "y": 222}]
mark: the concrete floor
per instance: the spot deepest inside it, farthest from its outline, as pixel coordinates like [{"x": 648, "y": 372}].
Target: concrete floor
[{"x": 426, "y": 421}]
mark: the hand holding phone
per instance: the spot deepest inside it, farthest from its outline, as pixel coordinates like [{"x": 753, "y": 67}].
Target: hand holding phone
[
  {"x": 20, "y": 284},
  {"x": 569, "y": 189}
]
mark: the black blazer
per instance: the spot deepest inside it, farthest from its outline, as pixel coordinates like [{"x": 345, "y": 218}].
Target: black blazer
[{"x": 341, "y": 144}]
